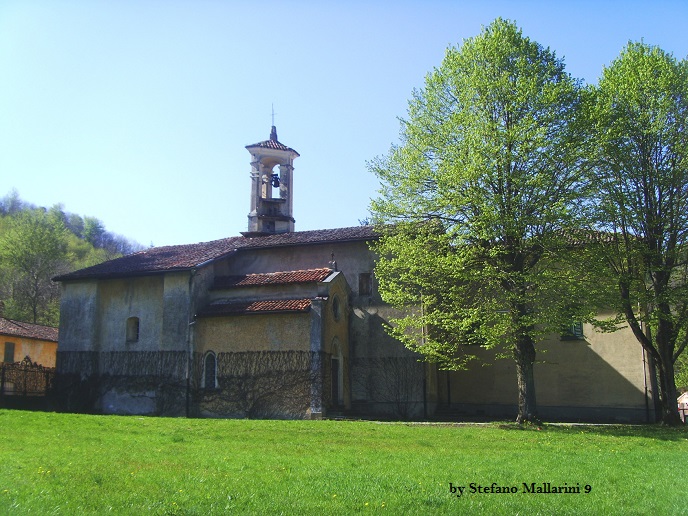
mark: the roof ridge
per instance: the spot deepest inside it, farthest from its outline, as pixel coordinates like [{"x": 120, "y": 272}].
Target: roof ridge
[
  {"x": 249, "y": 301},
  {"x": 28, "y": 330},
  {"x": 316, "y": 269},
  {"x": 256, "y": 306},
  {"x": 261, "y": 279},
  {"x": 20, "y": 323},
  {"x": 155, "y": 260}
]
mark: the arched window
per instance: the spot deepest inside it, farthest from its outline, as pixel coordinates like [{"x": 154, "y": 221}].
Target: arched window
[
  {"x": 132, "y": 329},
  {"x": 210, "y": 371}
]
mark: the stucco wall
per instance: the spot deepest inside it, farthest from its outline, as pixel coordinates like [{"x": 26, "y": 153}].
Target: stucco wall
[
  {"x": 121, "y": 299},
  {"x": 176, "y": 311},
  {"x": 94, "y": 313},
  {"x": 78, "y": 316}
]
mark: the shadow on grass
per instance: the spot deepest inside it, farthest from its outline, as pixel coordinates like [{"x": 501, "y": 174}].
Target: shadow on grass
[
  {"x": 649, "y": 431},
  {"x": 655, "y": 431}
]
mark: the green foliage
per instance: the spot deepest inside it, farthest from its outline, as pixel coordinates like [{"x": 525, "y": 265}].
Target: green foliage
[
  {"x": 491, "y": 153},
  {"x": 639, "y": 113},
  {"x": 77, "y": 464},
  {"x": 681, "y": 377},
  {"x": 37, "y": 244},
  {"x": 33, "y": 249},
  {"x": 93, "y": 231}
]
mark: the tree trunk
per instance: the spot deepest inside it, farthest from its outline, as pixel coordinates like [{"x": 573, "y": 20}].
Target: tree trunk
[
  {"x": 667, "y": 392},
  {"x": 524, "y": 353},
  {"x": 665, "y": 343}
]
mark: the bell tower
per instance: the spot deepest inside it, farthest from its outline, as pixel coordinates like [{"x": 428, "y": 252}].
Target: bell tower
[{"x": 272, "y": 193}]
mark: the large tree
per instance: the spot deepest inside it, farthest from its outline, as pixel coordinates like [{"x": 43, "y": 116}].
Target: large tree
[
  {"x": 481, "y": 194},
  {"x": 640, "y": 115}
]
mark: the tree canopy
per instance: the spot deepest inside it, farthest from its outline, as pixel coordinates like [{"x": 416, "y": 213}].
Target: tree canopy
[
  {"x": 639, "y": 116},
  {"x": 32, "y": 249},
  {"x": 481, "y": 195},
  {"x": 37, "y": 244}
]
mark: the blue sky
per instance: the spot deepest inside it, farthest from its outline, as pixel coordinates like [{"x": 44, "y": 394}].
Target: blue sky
[{"x": 138, "y": 112}]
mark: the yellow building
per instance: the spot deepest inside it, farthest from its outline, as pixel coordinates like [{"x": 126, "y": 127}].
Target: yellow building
[{"x": 21, "y": 339}]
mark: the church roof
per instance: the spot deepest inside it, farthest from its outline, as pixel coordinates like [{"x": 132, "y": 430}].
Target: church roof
[
  {"x": 184, "y": 257},
  {"x": 272, "y": 278},
  {"x": 252, "y": 307},
  {"x": 27, "y": 330},
  {"x": 272, "y": 143}
]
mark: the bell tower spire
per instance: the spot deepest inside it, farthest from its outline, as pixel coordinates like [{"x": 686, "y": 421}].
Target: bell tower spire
[{"x": 272, "y": 167}]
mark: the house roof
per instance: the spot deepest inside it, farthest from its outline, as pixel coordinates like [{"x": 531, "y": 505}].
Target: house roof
[
  {"x": 256, "y": 307},
  {"x": 272, "y": 278},
  {"x": 27, "y": 330},
  {"x": 184, "y": 257}
]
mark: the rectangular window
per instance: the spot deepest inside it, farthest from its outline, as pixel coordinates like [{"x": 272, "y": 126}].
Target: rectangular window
[
  {"x": 573, "y": 332},
  {"x": 9, "y": 352},
  {"x": 365, "y": 284},
  {"x": 133, "y": 329}
]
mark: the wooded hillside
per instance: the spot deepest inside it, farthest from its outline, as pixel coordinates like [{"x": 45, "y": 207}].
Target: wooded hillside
[{"x": 38, "y": 243}]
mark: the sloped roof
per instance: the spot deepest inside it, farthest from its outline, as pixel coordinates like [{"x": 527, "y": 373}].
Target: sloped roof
[
  {"x": 256, "y": 307},
  {"x": 184, "y": 257},
  {"x": 272, "y": 143},
  {"x": 272, "y": 278},
  {"x": 157, "y": 259},
  {"x": 27, "y": 330}
]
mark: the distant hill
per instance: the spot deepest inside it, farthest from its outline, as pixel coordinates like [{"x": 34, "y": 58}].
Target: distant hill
[{"x": 38, "y": 243}]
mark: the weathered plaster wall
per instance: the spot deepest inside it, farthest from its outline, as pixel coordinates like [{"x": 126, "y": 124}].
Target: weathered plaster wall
[
  {"x": 201, "y": 281},
  {"x": 176, "y": 311},
  {"x": 117, "y": 375},
  {"x": 120, "y": 299},
  {"x": 79, "y": 316}
]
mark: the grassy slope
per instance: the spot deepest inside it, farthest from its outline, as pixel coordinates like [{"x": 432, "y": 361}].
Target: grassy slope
[{"x": 65, "y": 464}]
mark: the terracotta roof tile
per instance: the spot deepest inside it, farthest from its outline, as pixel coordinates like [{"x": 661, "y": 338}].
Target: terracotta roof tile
[
  {"x": 185, "y": 257},
  {"x": 27, "y": 330},
  {"x": 272, "y": 278},
  {"x": 254, "y": 307},
  {"x": 272, "y": 144}
]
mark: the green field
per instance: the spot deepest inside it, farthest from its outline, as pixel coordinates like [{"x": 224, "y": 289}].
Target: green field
[{"x": 74, "y": 464}]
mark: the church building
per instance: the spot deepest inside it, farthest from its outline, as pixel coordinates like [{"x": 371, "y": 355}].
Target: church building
[{"x": 281, "y": 323}]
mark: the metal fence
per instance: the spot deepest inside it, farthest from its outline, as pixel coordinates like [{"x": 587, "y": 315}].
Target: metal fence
[{"x": 25, "y": 379}]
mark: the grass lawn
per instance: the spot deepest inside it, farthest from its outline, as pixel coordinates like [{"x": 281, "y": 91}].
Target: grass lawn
[{"x": 74, "y": 464}]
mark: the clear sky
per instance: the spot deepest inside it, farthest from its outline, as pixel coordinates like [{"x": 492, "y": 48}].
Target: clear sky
[{"x": 137, "y": 112}]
